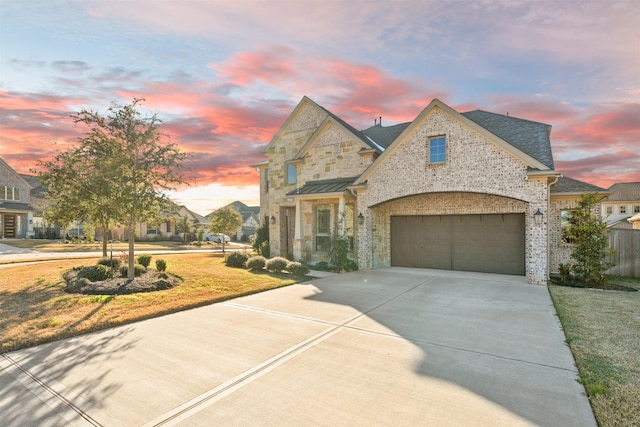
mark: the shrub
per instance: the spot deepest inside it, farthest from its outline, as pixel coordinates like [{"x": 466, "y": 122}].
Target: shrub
[
  {"x": 261, "y": 239},
  {"x": 350, "y": 265},
  {"x": 236, "y": 259},
  {"x": 110, "y": 262},
  {"x": 297, "y": 268},
  {"x": 161, "y": 265},
  {"x": 256, "y": 262},
  {"x": 137, "y": 270},
  {"x": 144, "y": 260},
  {"x": 277, "y": 264},
  {"x": 565, "y": 272},
  {"x": 322, "y": 266},
  {"x": 95, "y": 273}
]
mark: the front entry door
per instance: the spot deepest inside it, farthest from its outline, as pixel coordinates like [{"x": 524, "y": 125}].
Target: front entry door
[{"x": 10, "y": 226}]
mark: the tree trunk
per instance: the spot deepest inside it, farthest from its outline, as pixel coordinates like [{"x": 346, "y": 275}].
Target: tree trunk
[
  {"x": 104, "y": 240},
  {"x": 131, "y": 271}
]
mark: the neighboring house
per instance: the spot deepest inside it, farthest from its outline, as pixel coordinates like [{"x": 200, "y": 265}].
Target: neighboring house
[
  {"x": 167, "y": 228},
  {"x": 461, "y": 191},
  {"x": 250, "y": 219},
  {"x": 16, "y": 212},
  {"x": 622, "y": 203}
]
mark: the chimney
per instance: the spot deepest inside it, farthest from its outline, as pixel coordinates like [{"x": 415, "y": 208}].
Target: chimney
[{"x": 380, "y": 120}]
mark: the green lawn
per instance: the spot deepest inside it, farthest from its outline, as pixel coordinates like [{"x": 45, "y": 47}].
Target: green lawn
[
  {"x": 60, "y": 246},
  {"x": 603, "y": 332},
  {"x": 35, "y": 309}
]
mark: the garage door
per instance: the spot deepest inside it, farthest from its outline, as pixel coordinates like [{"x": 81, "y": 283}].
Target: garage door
[{"x": 484, "y": 243}]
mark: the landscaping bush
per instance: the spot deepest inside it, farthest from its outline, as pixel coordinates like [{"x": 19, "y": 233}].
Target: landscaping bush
[
  {"x": 137, "y": 270},
  {"x": 297, "y": 268},
  {"x": 277, "y": 264},
  {"x": 236, "y": 259},
  {"x": 161, "y": 265},
  {"x": 350, "y": 265},
  {"x": 322, "y": 266},
  {"x": 95, "y": 273},
  {"x": 144, "y": 260},
  {"x": 256, "y": 262},
  {"x": 110, "y": 262}
]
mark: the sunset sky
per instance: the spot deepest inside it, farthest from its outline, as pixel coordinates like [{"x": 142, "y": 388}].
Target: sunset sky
[{"x": 224, "y": 75}]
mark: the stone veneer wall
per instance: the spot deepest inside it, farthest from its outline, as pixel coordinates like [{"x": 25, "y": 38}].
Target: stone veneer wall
[
  {"x": 333, "y": 154},
  {"x": 473, "y": 165}
]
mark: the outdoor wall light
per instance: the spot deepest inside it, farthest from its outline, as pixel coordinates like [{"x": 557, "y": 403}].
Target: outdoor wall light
[
  {"x": 537, "y": 217},
  {"x": 273, "y": 219},
  {"x": 360, "y": 218}
]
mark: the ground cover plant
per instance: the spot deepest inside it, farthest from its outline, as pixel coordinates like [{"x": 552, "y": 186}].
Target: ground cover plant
[
  {"x": 34, "y": 308},
  {"x": 602, "y": 331}
]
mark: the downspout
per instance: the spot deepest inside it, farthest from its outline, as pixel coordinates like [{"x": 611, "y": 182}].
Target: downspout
[{"x": 549, "y": 184}]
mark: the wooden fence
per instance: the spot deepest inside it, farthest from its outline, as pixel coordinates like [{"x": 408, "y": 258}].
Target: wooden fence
[{"x": 626, "y": 243}]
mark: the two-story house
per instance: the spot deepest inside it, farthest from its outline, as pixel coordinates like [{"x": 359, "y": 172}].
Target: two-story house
[
  {"x": 621, "y": 204},
  {"x": 461, "y": 191},
  {"x": 16, "y": 213}
]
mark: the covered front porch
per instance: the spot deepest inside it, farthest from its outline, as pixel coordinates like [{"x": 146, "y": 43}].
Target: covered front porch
[
  {"x": 323, "y": 210},
  {"x": 16, "y": 221}
]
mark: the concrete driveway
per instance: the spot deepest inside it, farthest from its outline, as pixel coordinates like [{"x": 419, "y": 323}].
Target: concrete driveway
[{"x": 391, "y": 346}]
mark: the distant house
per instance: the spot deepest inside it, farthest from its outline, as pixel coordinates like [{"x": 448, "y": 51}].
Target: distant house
[
  {"x": 621, "y": 205},
  {"x": 470, "y": 191},
  {"x": 168, "y": 229},
  {"x": 250, "y": 219},
  {"x": 16, "y": 212}
]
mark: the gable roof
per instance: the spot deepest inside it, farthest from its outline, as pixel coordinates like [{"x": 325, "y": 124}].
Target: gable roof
[
  {"x": 531, "y": 161},
  {"x": 13, "y": 172},
  {"x": 566, "y": 185},
  {"x": 624, "y": 192},
  {"x": 385, "y": 135},
  {"x": 526, "y": 135}
]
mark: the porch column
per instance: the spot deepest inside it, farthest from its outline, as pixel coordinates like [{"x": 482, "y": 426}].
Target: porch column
[
  {"x": 298, "y": 232},
  {"x": 341, "y": 216}
]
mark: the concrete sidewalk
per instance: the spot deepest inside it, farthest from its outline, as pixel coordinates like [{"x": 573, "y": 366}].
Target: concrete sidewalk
[{"x": 389, "y": 346}]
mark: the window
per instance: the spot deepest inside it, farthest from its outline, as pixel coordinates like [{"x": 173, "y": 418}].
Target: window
[
  {"x": 9, "y": 193},
  {"x": 564, "y": 225},
  {"x": 291, "y": 174},
  {"x": 609, "y": 210},
  {"x": 437, "y": 150},
  {"x": 323, "y": 228},
  {"x": 266, "y": 180},
  {"x": 623, "y": 209},
  {"x": 636, "y": 209}
]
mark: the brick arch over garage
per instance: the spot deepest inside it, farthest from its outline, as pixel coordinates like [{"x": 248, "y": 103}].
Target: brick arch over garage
[{"x": 453, "y": 208}]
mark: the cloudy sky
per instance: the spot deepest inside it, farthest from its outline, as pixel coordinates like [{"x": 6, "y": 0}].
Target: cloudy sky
[{"x": 224, "y": 75}]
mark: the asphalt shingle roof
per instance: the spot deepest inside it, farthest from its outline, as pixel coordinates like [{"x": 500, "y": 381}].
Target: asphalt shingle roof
[
  {"x": 570, "y": 185},
  {"x": 530, "y": 137},
  {"x": 624, "y": 192},
  {"x": 385, "y": 135},
  {"x": 336, "y": 185}
]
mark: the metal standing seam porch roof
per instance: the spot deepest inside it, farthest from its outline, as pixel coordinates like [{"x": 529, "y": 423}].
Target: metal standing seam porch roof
[{"x": 336, "y": 185}]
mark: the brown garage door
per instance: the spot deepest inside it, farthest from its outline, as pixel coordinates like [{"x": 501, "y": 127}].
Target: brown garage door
[{"x": 485, "y": 243}]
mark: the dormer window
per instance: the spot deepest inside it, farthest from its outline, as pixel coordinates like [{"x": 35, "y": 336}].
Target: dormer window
[{"x": 292, "y": 174}]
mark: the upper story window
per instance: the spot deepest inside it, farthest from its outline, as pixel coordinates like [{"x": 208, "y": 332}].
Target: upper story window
[
  {"x": 9, "y": 193},
  {"x": 437, "y": 150},
  {"x": 609, "y": 210},
  {"x": 292, "y": 174},
  {"x": 623, "y": 209},
  {"x": 266, "y": 180},
  {"x": 636, "y": 209}
]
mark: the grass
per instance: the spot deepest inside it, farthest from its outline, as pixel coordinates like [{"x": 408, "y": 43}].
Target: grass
[
  {"x": 603, "y": 332},
  {"x": 34, "y": 308},
  {"x": 60, "y": 246}
]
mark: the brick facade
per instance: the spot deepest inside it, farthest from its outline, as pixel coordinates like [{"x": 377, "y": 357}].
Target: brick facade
[
  {"x": 477, "y": 177},
  {"x": 481, "y": 175}
]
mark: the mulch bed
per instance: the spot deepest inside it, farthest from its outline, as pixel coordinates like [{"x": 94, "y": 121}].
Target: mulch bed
[
  {"x": 149, "y": 281},
  {"x": 606, "y": 286}
]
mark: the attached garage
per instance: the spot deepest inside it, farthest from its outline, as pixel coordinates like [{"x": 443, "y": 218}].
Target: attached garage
[{"x": 488, "y": 243}]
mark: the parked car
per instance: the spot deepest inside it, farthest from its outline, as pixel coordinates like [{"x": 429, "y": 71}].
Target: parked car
[{"x": 211, "y": 237}]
